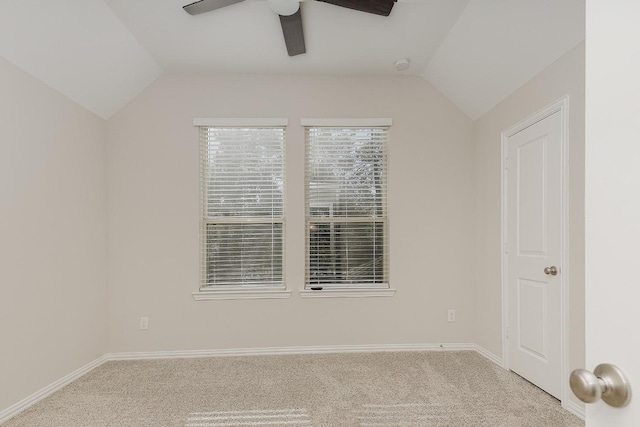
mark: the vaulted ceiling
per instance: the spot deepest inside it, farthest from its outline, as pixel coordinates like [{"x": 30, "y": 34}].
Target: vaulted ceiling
[{"x": 103, "y": 53}]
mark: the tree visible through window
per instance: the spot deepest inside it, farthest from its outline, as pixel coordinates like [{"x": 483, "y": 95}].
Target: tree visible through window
[
  {"x": 346, "y": 170},
  {"x": 243, "y": 206}
]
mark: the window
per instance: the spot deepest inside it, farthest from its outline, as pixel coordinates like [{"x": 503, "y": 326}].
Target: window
[
  {"x": 242, "y": 196},
  {"x": 346, "y": 205}
]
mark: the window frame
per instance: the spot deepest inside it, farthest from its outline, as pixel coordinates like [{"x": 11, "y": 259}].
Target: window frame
[
  {"x": 237, "y": 291},
  {"x": 326, "y": 290}
]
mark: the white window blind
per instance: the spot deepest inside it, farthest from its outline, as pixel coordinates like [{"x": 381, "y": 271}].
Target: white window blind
[
  {"x": 242, "y": 184},
  {"x": 346, "y": 207}
]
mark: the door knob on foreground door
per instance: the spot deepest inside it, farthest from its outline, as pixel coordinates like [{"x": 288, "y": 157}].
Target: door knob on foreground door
[
  {"x": 607, "y": 382},
  {"x": 553, "y": 270}
]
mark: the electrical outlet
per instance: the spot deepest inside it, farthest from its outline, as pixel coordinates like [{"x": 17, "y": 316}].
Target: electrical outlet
[
  {"x": 451, "y": 315},
  {"x": 144, "y": 322}
]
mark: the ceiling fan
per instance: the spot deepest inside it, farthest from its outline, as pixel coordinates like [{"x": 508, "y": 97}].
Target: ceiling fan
[{"x": 291, "y": 15}]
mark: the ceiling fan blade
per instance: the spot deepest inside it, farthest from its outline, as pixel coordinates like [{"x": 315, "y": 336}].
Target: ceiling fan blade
[
  {"x": 379, "y": 7},
  {"x": 293, "y": 34},
  {"x": 203, "y": 6}
]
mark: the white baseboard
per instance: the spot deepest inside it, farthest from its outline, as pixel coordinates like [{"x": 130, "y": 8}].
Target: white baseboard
[
  {"x": 575, "y": 408},
  {"x": 266, "y": 351},
  {"x": 12, "y": 411},
  {"x": 489, "y": 355},
  {"x": 25, "y": 403}
]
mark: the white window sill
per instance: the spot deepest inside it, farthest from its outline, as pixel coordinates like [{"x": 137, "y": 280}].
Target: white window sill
[
  {"x": 206, "y": 294},
  {"x": 346, "y": 293}
]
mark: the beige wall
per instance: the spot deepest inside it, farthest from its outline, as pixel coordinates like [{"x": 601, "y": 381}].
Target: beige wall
[
  {"x": 52, "y": 236},
  {"x": 154, "y": 215},
  {"x": 444, "y": 208},
  {"x": 564, "y": 77}
]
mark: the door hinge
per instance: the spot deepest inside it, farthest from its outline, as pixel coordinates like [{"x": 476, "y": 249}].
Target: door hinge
[
  {"x": 506, "y": 248},
  {"x": 506, "y": 332}
]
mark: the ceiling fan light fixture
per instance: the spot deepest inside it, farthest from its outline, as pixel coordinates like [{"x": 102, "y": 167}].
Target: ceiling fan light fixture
[
  {"x": 290, "y": 14},
  {"x": 284, "y": 7}
]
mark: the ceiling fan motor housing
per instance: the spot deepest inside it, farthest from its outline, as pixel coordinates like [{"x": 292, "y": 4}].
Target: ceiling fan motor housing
[{"x": 284, "y": 7}]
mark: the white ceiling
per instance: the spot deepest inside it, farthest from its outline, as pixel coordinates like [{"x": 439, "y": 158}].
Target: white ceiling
[
  {"x": 78, "y": 47},
  {"x": 247, "y": 38},
  {"x": 497, "y": 45},
  {"x": 102, "y": 53}
]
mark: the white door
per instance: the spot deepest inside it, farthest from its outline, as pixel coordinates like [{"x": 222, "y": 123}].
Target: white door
[
  {"x": 534, "y": 239},
  {"x": 612, "y": 204}
]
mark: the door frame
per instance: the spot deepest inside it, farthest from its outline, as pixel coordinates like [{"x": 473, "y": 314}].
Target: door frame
[{"x": 562, "y": 106}]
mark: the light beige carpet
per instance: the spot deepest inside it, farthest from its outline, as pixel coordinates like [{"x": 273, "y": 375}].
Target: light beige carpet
[{"x": 374, "y": 389}]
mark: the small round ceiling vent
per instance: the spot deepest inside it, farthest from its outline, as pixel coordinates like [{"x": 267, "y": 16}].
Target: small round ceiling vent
[{"x": 402, "y": 64}]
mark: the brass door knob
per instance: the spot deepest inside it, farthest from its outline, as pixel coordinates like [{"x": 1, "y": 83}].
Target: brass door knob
[
  {"x": 551, "y": 271},
  {"x": 607, "y": 382}
]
